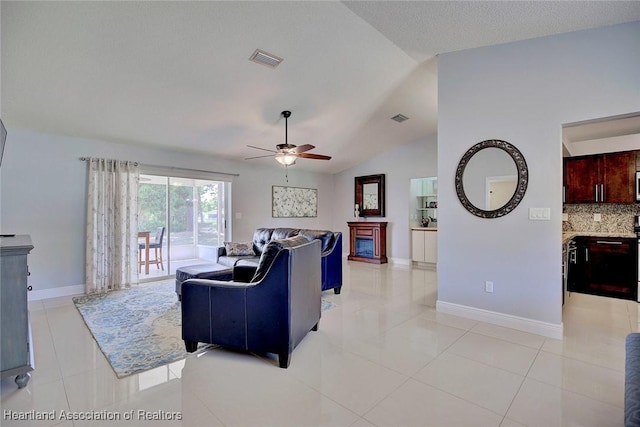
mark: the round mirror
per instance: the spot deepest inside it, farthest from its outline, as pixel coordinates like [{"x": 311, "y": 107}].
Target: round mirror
[{"x": 491, "y": 178}]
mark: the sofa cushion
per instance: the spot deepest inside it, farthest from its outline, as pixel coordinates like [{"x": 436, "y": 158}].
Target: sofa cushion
[
  {"x": 231, "y": 261},
  {"x": 248, "y": 262},
  {"x": 227, "y": 261},
  {"x": 271, "y": 250},
  {"x": 284, "y": 233},
  {"x": 325, "y": 237},
  {"x": 239, "y": 249},
  {"x": 261, "y": 237}
]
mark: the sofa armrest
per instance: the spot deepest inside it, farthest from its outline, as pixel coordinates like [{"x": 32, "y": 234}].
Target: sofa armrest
[
  {"x": 214, "y": 307},
  {"x": 336, "y": 243},
  {"x": 244, "y": 273},
  {"x": 215, "y": 284},
  {"x": 222, "y": 251},
  {"x": 332, "y": 265}
]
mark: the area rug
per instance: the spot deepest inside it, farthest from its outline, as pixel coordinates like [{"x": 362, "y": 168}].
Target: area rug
[{"x": 139, "y": 329}]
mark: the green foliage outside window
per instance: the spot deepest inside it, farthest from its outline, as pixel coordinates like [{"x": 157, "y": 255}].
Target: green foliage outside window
[{"x": 152, "y": 200}]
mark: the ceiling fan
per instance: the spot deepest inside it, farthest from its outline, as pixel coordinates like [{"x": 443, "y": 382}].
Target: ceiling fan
[{"x": 286, "y": 154}]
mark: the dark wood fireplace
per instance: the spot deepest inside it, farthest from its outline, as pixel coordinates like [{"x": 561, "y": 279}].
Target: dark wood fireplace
[{"x": 368, "y": 241}]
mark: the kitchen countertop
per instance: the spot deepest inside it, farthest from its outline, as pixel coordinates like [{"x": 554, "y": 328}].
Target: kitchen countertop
[
  {"x": 425, "y": 228},
  {"x": 568, "y": 235}
]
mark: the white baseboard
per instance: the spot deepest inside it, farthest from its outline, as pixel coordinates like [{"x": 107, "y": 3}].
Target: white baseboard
[
  {"x": 63, "y": 291},
  {"x": 424, "y": 265},
  {"x": 550, "y": 330},
  {"x": 400, "y": 261}
]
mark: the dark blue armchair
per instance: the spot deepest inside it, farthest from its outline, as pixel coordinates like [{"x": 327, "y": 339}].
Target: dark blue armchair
[
  {"x": 331, "y": 252},
  {"x": 270, "y": 314}
]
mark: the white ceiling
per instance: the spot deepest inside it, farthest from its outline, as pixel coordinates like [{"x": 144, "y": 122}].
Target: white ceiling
[{"x": 177, "y": 75}]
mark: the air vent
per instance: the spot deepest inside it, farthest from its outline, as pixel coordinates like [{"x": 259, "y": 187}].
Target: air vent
[
  {"x": 264, "y": 58},
  {"x": 399, "y": 118}
]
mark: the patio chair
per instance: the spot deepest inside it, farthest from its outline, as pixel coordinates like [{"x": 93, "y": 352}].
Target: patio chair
[{"x": 156, "y": 245}]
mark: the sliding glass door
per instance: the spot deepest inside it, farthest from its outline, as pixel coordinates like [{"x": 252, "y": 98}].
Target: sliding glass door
[{"x": 194, "y": 215}]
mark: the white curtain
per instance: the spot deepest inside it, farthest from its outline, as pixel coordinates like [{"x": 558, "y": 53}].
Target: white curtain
[{"x": 111, "y": 260}]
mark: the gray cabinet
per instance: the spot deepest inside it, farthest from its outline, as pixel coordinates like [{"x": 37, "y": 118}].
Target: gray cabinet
[{"x": 16, "y": 356}]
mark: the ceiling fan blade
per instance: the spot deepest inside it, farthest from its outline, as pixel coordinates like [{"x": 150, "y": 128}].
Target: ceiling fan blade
[
  {"x": 258, "y": 157},
  {"x": 302, "y": 148},
  {"x": 314, "y": 156},
  {"x": 260, "y": 148}
]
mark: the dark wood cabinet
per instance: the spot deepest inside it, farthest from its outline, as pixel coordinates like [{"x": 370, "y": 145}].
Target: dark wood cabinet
[
  {"x": 582, "y": 176},
  {"x": 368, "y": 241},
  {"x": 604, "y": 178},
  {"x": 618, "y": 177},
  {"x": 605, "y": 266}
]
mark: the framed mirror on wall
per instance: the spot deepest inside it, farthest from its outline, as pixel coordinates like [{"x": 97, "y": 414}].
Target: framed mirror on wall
[
  {"x": 491, "y": 178},
  {"x": 370, "y": 195}
]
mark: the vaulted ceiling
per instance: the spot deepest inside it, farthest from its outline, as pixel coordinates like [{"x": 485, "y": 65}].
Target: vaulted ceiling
[{"x": 177, "y": 75}]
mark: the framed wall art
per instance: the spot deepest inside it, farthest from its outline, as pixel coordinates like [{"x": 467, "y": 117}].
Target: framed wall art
[{"x": 294, "y": 202}]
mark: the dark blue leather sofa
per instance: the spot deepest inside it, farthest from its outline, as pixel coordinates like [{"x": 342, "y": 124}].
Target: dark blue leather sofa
[
  {"x": 331, "y": 252},
  {"x": 270, "y": 314},
  {"x": 632, "y": 381}
]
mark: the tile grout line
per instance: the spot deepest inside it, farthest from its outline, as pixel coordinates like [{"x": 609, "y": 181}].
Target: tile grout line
[
  {"x": 482, "y": 363},
  {"x": 524, "y": 378},
  {"x": 55, "y": 350}
]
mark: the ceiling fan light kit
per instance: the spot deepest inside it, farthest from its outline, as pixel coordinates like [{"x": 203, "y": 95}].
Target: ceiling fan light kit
[
  {"x": 286, "y": 159},
  {"x": 286, "y": 154}
]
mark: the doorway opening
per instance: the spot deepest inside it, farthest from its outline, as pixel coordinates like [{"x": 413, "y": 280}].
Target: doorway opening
[
  {"x": 499, "y": 190},
  {"x": 194, "y": 213}
]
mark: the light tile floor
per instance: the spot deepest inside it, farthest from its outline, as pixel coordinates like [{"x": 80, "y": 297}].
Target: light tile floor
[{"x": 382, "y": 357}]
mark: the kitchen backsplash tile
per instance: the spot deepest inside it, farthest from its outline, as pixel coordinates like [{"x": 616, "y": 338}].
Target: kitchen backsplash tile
[{"x": 616, "y": 218}]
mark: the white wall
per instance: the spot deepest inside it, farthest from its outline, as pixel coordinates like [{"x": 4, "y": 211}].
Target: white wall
[
  {"x": 604, "y": 145},
  {"x": 414, "y": 160},
  {"x": 43, "y": 186},
  {"x": 522, "y": 92}
]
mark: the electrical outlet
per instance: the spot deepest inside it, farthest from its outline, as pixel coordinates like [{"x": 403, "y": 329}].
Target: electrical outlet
[
  {"x": 488, "y": 286},
  {"x": 597, "y": 217}
]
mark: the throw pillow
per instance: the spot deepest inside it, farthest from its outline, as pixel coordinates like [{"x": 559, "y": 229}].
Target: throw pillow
[{"x": 239, "y": 249}]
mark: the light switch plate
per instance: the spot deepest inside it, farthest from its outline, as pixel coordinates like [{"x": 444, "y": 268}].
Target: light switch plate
[
  {"x": 597, "y": 217},
  {"x": 488, "y": 286},
  {"x": 539, "y": 214},
  {"x": 565, "y": 217}
]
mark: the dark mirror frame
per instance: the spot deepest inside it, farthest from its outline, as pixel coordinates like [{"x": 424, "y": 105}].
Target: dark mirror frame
[
  {"x": 360, "y": 181},
  {"x": 521, "y": 187}
]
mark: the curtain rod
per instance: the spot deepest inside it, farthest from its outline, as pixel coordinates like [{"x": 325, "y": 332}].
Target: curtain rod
[
  {"x": 87, "y": 159},
  {"x": 169, "y": 167}
]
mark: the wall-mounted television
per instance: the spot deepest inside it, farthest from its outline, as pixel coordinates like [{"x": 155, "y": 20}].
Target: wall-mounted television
[{"x": 3, "y": 138}]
